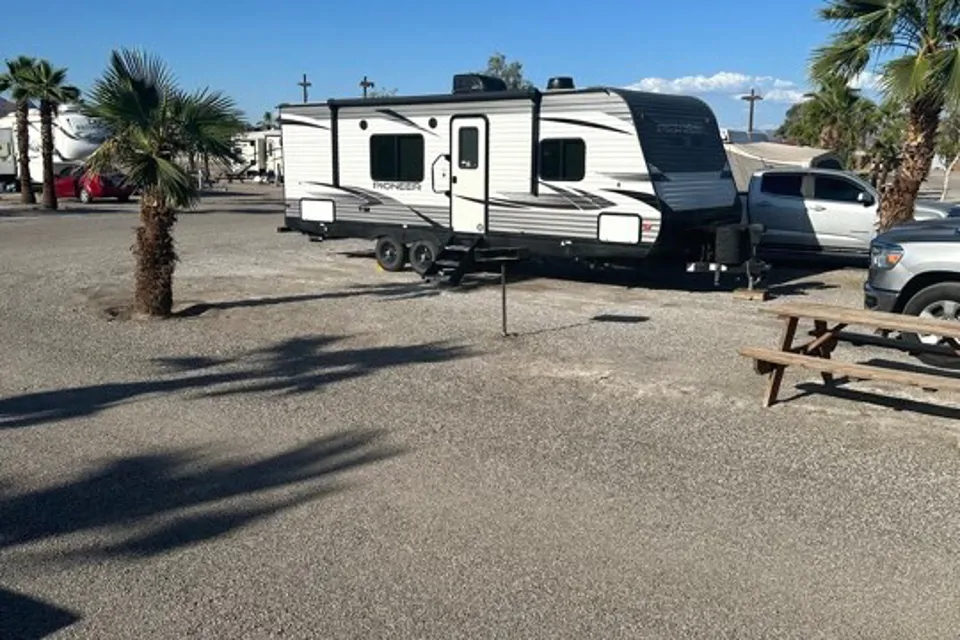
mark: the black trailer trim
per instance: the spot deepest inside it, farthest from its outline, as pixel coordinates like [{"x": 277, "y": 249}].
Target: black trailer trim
[
  {"x": 335, "y": 144},
  {"x": 535, "y": 147},
  {"x": 547, "y": 246},
  {"x": 586, "y": 123}
]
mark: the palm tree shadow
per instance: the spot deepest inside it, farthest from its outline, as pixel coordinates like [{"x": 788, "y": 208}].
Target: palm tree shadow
[
  {"x": 163, "y": 501},
  {"x": 389, "y": 291},
  {"x": 295, "y": 365},
  {"x": 24, "y": 617}
]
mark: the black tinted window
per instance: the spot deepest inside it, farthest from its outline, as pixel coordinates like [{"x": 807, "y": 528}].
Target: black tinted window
[
  {"x": 835, "y": 189},
  {"x": 783, "y": 185},
  {"x": 396, "y": 157},
  {"x": 563, "y": 159},
  {"x": 469, "y": 143}
]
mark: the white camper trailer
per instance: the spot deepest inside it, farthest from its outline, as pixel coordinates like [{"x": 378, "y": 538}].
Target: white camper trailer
[
  {"x": 601, "y": 174},
  {"x": 75, "y": 137},
  {"x": 259, "y": 154}
]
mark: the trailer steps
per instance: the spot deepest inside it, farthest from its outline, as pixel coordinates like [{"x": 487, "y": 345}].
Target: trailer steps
[{"x": 460, "y": 255}]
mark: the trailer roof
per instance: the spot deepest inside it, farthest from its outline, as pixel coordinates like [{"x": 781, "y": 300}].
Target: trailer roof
[{"x": 474, "y": 96}]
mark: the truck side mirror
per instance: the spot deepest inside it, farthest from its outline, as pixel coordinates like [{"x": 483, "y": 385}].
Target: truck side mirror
[{"x": 865, "y": 198}]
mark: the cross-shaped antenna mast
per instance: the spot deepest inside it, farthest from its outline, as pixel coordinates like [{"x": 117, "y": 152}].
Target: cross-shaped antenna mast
[
  {"x": 366, "y": 84},
  {"x": 304, "y": 84}
]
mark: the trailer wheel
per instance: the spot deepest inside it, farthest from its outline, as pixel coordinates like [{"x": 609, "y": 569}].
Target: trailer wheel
[
  {"x": 422, "y": 255},
  {"x": 391, "y": 254}
]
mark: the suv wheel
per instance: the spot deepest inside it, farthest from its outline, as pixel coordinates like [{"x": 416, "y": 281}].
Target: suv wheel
[{"x": 940, "y": 302}]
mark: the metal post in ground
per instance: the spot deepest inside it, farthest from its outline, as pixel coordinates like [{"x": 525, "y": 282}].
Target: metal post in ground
[{"x": 503, "y": 298}]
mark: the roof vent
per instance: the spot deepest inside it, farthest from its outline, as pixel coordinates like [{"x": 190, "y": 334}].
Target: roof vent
[
  {"x": 560, "y": 83},
  {"x": 474, "y": 82}
]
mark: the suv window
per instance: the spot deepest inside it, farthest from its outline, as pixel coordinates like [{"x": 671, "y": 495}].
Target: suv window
[
  {"x": 835, "y": 189},
  {"x": 783, "y": 184}
]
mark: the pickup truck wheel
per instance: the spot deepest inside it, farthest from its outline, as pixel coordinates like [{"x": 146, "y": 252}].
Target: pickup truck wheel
[{"x": 940, "y": 302}]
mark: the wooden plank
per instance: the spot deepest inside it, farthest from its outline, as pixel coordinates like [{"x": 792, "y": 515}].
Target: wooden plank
[
  {"x": 857, "y": 371},
  {"x": 865, "y": 317}
]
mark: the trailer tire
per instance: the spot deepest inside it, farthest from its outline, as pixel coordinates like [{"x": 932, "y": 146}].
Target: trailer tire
[
  {"x": 422, "y": 255},
  {"x": 391, "y": 254}
]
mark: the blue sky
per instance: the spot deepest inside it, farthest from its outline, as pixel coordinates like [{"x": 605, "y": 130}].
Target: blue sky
[{"x": 257, "y": 51}]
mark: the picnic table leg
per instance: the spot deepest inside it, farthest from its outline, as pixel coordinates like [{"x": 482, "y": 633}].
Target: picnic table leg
[
  {"x": 824, "y": 350},
  {"x": 776, "y": 376}
]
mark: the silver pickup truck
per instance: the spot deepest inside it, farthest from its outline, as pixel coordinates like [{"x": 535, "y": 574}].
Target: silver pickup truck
[
  {"x": 915, "y": 270},
  {"x": 823, "y": 212}
]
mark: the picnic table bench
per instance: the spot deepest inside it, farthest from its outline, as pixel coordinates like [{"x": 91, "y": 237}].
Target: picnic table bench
[{"x": 829, "y": 329}]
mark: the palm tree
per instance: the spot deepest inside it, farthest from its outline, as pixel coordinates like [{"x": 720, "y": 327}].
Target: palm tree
[
  {"x": 924, "y": 74},
  {"x": 840, "y": 116},
  {"x": 48, "y": 86},
  {"x": 146, "y": 115},
  {"x": 17, "y": 79}
]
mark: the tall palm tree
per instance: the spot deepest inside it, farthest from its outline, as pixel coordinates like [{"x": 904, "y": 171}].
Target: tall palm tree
[
  {"x": 924, "y": 73},
  {"x": 145, "y": 116},
  {"x": 18, "y": 79},
  {"x": 50, "y": 88}
]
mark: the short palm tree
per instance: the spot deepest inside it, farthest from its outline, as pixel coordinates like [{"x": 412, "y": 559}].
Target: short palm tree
[
  {"x": 50, "y": 88},
  {"x": 18, "y": 81},
  {"x": 841, "y": 115},
  {"x": 924, "y": 73},
  {"x": 147, "y": 118}
]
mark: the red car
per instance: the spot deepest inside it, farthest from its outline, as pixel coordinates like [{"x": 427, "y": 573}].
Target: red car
[{"x": 72, "y": 182}]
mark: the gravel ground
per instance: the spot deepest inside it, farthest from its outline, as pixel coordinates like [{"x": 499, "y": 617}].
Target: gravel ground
[{"x": 315, "y": 448}]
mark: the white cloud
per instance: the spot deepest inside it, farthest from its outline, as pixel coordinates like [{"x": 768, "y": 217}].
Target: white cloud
[
  {"x": 867, "y": 80},
  {"x": 787, "y": 96},
  {"x": 772, "y": 89}
]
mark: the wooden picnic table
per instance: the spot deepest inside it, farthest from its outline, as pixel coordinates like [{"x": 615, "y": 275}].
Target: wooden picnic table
[{"x": 830, "y": 325}]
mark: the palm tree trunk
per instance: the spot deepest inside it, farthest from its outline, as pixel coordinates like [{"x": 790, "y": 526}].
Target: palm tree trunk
[
  {"x": 23, "y": 153},
  {"x": 946, "y": 178},
  {"x": 918, "y": 151},
  {"x": 156, "y": 257},
  {"x": 206, "y": 164},
  {"x": 46, "y": 149}
]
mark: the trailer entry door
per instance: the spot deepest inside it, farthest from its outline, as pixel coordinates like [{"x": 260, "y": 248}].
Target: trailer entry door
[{"x": 469, "y": 171}]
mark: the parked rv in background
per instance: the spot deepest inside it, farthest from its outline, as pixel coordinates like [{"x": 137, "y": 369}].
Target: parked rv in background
[
  {"x": 75, "y": 137},
  {"x": 261, "y": 155}
]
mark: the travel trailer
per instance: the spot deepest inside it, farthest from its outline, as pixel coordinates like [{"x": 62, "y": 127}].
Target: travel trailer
[
  {"x": 75, "y": 137},
  {"x": 260, "y": 154},
  {"x": 598, "y": 174}
]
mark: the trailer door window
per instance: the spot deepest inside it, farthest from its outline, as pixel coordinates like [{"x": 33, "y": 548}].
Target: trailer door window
[
  {"x": 563, "y": 159},
  {"x": 396, "y": 158},
  {"x": 469, "y": 144}
]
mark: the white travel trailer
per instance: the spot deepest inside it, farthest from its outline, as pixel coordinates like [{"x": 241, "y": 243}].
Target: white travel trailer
[
  {"x": 597, "y": 174},
  {"x": 75, "y": 137},
  {"x": 260, "y": 153}
]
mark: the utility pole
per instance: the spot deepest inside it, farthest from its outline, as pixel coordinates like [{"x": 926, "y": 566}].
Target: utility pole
[
  {"x": 304, "y": 84},
  {"x": 366, "y": 84},
  {"x": 752, "y": 99}
]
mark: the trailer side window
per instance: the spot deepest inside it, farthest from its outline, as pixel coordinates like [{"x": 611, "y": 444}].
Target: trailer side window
[
  {"x": 397, "y": 158},
  {"x": 563, "y": 159},
  {"x": 469, "y": 145}
]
